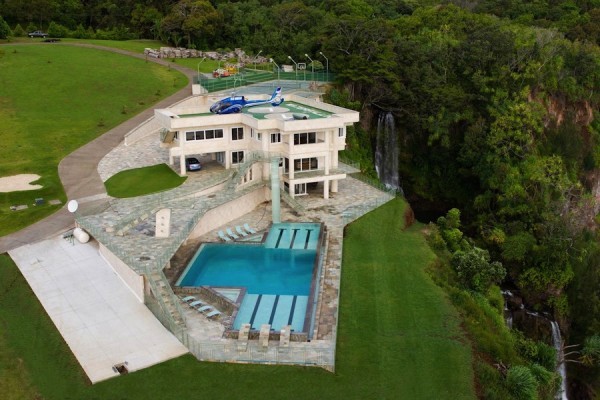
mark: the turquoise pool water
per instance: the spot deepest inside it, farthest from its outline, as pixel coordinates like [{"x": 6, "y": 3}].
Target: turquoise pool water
[{"x": 277, "y": 275}]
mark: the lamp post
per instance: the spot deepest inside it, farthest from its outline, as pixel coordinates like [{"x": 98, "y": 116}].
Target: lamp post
[
  {"x": 203, "y": 58},
  {"x": 312, "y": 65},
  {"x": 271, "y": 60},
  {"x": 327, "y": 64},
  {"x": 296, "y": 69},
  {"x": 256, "y": 58}
]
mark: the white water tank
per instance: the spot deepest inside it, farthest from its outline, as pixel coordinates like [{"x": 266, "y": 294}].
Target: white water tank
[{"x": 81, "y": 235}]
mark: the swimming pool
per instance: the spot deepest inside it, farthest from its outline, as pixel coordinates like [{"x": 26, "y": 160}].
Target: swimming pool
[{"x": 277, "y": 274}]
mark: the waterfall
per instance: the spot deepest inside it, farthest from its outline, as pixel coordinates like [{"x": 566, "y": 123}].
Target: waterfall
[
  {"x": 561, "y": 368},
  {"x": 386, "y": 151}
]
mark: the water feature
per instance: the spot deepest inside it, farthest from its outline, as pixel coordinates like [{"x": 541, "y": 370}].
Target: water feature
[
  {"x": 386, "y": 151},
  {"x": 560, "y": 368},
  {"x": 535, "y": 325}
]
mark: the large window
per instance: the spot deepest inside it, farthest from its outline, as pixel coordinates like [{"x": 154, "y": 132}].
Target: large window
[
  {"x": 237, "y": 133},
  {"x": 276, "y": 137},
  {"x": 305, "y": 138},
  {"x": 341, "y": 132},
  {"x": 306, "y": 164},
  {"x": 237, "y": 157},
  {"x": 202, "y": 135}
]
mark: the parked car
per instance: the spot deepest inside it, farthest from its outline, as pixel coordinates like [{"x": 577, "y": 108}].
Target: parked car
[
  {"x": 37, "y": 34},
  {"x": 192, "y": 164}
]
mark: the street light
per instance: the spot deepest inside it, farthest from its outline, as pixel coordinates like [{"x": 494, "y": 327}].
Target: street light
[
  {"x": 312, "y": 64},
  {"x": 295, "y": 63},
  {"x": 271, "y": 60},
  {"x": 256, "y": 58},
  {"x": 327, "y": 67},
  {"x": 203, "y": 58}
]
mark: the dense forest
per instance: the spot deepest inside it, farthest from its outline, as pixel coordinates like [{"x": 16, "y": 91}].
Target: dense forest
[{"x": 496, "y": 106}]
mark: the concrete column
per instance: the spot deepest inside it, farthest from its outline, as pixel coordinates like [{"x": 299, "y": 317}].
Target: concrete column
[
  {"x": 327, "y": 161},
  {"x": 335, "y": 162},
  {"x": 182, "y": 165},
  {"x": 334, "y": 186},
  {"x": 275, "y": 194},
  {"x": 326, "y": 189},
  {"x": 182, "y": 140},
  {"x": 292, "y": 190},
  {"x": 291, "y": 172}
]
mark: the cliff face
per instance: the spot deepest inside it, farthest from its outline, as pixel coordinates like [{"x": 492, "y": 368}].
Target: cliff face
[{"x": 558, "y": 108}]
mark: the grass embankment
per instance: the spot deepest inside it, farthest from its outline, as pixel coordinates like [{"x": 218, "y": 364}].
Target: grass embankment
[
  {"x": 399, "y": 337},
  {"x": 141, "y": 181},
  {"x": 55, "y": 99}
]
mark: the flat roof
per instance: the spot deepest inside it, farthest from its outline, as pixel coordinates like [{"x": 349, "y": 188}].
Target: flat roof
[{"x": 288, "y": 110}]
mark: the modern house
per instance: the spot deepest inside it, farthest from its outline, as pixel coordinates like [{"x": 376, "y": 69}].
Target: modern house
[{"x": 303, "y": 135}]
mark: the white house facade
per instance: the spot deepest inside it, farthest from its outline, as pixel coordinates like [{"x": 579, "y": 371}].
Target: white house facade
[{"x": 303, "y": 134}]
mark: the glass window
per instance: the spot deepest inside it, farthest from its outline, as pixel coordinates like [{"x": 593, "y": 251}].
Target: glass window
[
  {"x": 237, "y": 157},
  {"x": 210, "y": 134},
  {"x": 218, "y": 133},
  {"x": 276, "y": 137},
  {"x": 306, "y": 164},
  {"x": 305, "y": 138},
  {"x": 258, "y": 136},
  {"x": 199, "y": 135},
  {"x": 237, "y": 133},
  {"x": 341, "y": 132},
  {"x": 190, "y": 136}
]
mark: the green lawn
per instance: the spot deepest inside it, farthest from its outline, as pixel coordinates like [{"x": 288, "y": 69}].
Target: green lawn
[
  {"x": 136, "y": 46},
  {"x": 141, "y": 181},
  {"x": 399, "y": 338},
  {"x": 54, "y": 99}
]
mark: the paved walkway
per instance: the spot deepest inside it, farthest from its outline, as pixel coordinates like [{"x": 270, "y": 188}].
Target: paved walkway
[
  {"x": 78, "y": 171},
  {"x": 101, "y": 320}
]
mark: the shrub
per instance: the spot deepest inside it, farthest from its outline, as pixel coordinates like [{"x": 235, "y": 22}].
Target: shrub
[
  {"x": 5, "y": 31},
  {"x": 57, "y": 30},
  {"x": 521, "y": 383},
  {"x": 19, "y": 31},
  {"x": 475, "y": 270},
  {"x": 31, "y": 27}
]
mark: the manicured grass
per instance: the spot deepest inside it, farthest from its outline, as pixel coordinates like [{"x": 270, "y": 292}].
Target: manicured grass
[
  {"x": 141, "y": 181},
  {"x": 399, "y": 338},
  {"x": 54, "y": 99},
  {"x": 136, "y": 46}
]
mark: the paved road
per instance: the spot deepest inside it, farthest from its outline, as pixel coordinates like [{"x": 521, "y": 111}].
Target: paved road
[{"x": 78, "y": 171}]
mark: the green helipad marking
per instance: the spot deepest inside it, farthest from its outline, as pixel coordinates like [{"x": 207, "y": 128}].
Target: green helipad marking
[
  {"x": 291, "y": 108},
  {"x": 294, "y": 108}
]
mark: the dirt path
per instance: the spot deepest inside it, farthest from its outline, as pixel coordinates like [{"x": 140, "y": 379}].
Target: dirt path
[{"x": 78, "y": 171}]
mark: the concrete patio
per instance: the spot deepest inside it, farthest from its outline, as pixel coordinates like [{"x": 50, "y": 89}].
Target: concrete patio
[{"x": 102, "y": 321}]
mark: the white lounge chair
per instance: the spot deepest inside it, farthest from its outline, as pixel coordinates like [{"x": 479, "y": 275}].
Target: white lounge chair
[
  {"x": 205, "y": 308},
  {"x": 193, "y": 304},
  {"x": 214, "y": 313},
  {"x": 248, "y": 229},
  {"x": 239, "y": 230},
  {"x": 233, "y": 235},
  {"x": 187, "y": 299},
  {"x": 223, "y": 237}
]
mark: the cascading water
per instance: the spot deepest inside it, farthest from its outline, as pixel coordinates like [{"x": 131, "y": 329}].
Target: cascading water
[
  {"x": 561, "y": 368},
  {"x": 386, "y": 151},
  {"x": 517, "y": 310}
]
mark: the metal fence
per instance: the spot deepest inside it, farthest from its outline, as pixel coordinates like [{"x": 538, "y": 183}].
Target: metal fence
[{"x": 250, "y": 77}]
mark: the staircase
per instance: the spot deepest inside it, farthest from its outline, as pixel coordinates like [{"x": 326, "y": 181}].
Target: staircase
[
  {"x": 169, "y": 303},
  {"x": 292, "y": 202}
]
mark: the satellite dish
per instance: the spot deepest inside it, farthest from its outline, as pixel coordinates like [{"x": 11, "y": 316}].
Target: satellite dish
[{"x": 72, "y": 206}]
